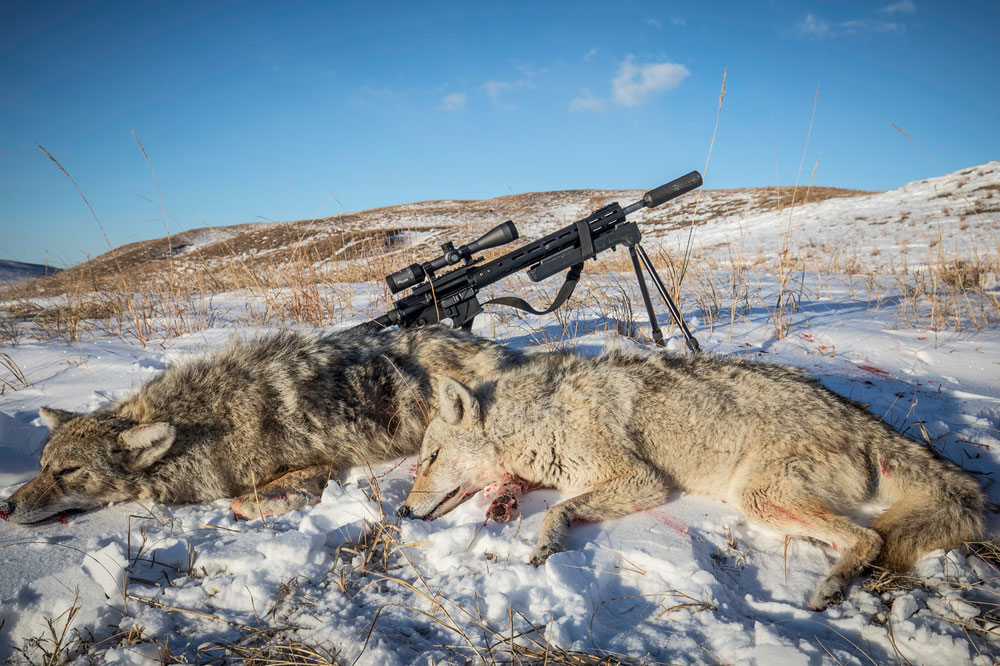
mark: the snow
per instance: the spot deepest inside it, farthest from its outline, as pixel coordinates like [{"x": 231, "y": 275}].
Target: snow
[{"x": 686, "y": 582}]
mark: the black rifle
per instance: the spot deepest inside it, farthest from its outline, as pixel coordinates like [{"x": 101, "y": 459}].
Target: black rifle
[{"x": 453, "y": 294}]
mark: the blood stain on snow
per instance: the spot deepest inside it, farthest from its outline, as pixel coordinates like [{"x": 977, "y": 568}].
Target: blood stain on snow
[
  {"x": 666, "y": 519},
  {"x": 874, "y": 370}
]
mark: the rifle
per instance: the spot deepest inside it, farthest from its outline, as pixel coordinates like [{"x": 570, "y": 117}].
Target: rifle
[{"x": 452, "y": 295}]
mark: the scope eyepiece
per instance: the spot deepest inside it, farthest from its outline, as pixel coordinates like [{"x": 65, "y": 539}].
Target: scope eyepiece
[{"x": 406, "y": 277}]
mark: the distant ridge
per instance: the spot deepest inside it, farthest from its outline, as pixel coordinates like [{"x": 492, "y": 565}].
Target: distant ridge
[{"x": 17, "y": 271}]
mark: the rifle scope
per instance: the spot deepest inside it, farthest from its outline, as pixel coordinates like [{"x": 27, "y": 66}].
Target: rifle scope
[{"x": 415, "y": 273}]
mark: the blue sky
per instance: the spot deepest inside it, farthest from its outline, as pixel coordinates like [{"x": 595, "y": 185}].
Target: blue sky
[{"x": 254, "y": 111}]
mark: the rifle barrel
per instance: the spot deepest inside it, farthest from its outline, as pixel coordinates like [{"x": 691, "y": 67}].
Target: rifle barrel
[{"x": 672, "y": 190}]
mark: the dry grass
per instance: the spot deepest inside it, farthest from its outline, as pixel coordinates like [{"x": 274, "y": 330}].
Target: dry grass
[
  {"x": 946, "y": 292},
  {"x": 11, "y": 376},
  {"x": 56, "y": 645},
  {"x": 307, "y": 273}
]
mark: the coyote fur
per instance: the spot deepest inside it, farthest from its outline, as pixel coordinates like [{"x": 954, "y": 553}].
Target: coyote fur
[
  {"x": 268, "y": 419},
  {"x": 622, "y": 430}
]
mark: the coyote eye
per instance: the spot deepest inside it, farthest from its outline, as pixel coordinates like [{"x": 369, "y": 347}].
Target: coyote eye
[
  {"x": 434, "y": 456},
  {"x": 64, "y": 471}
]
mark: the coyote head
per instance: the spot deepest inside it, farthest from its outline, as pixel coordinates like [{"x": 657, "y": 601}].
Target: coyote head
[
  {"x": 88, "y": 460},
  {"x": 456, "y": 458}
]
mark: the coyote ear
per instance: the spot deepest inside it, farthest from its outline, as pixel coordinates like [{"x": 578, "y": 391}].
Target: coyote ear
[
  {"x": 148, "y": 442},
  {"x": 53, "y": 418},
  {"x": 457, "y": 403}
]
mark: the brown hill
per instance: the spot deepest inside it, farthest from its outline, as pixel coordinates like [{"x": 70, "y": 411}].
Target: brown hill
[{"x": 258, "y": 254}]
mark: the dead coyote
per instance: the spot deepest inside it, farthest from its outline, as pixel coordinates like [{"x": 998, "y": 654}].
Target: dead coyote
[
  {"x": 624, "y": 429},
  {"x": 281, "y": 413}
]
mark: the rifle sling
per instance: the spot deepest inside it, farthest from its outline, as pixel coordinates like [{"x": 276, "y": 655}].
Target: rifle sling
[
  {"x": 586, "y": 242},
  {"x": 565, "y": 291}
]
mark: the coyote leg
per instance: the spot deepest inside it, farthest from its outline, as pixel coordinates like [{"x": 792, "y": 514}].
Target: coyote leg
[
  {"x": 290, "y": 492},
  {"x": 803, "y": 515},
  {"x": 641, "y": 489},
  {"x": 504, "y": 504}
]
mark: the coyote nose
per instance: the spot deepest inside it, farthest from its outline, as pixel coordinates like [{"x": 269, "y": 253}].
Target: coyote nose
[{"x": 404, "y": 512}]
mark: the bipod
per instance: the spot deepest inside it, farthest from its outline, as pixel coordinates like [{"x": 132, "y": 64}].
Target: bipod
[{"x": 639, "y": 260}]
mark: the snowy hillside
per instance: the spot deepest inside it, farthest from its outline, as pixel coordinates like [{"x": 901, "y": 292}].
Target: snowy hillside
[
  {"x": 347, "y": 582},
  {"x": 954, "y": 215}
]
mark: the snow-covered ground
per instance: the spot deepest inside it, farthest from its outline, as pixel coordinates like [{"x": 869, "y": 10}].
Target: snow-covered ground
[{"x": 687, "y": 582}]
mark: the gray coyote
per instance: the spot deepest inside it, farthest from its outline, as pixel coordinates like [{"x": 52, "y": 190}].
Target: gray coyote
[{"x": 267, "y": 420}]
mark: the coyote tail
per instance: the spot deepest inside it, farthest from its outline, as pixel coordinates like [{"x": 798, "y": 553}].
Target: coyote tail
[{"x": 934, "y": 504}]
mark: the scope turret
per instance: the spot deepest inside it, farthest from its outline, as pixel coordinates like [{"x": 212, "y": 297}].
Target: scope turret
[{"x": 416, "y": 273}]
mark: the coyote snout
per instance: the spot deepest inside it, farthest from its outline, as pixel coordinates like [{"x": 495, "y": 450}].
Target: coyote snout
[
  {"x": 86, "y": 462},
  {"x": 620, "y": 431},
  {"x": 448, "y": 475}
]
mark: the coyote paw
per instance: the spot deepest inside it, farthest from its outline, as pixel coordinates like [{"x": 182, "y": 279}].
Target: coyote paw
[
  {"x": 250, "y": 506},
  {"x": 502, "y": 509},
  {"x": 542, "y": 553},
  {"x": 504, "y": 505},
  {"x": 828, "y": 593}
]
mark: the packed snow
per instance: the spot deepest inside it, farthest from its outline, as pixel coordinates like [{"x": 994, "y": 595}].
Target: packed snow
[{"x": 687, "y": 582}]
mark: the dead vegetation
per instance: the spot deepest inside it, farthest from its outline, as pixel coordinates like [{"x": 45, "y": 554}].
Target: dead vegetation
[{"x": 309, "y": 272}]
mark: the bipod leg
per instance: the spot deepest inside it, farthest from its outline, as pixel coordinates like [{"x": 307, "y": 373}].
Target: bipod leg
[
  {"x": 653, "y": 324},
  {"x": 692, "y": 343}
]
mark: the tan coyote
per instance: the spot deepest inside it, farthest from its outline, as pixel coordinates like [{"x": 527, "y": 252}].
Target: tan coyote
[{"x": 622, "y": 430}]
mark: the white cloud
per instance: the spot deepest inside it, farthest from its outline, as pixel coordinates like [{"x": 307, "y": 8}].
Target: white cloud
[
  {"x": 901, "y": 7},
  {"x": 865, "y": 27},
  {"x": 652, "y": 22},
  {"x": 497, "y": 89},
  {"x": 679, "y": 21},
  {"x": 529, "y": 71},
  {"x": 635, "y": 83},
  {"x": 812, "y": 26},
  {"x": 454, "y": 102},
  {"x": 589, "y": 54},
  {"x": 587, "y": 101},
  {"x": 369, "y": 95}
]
